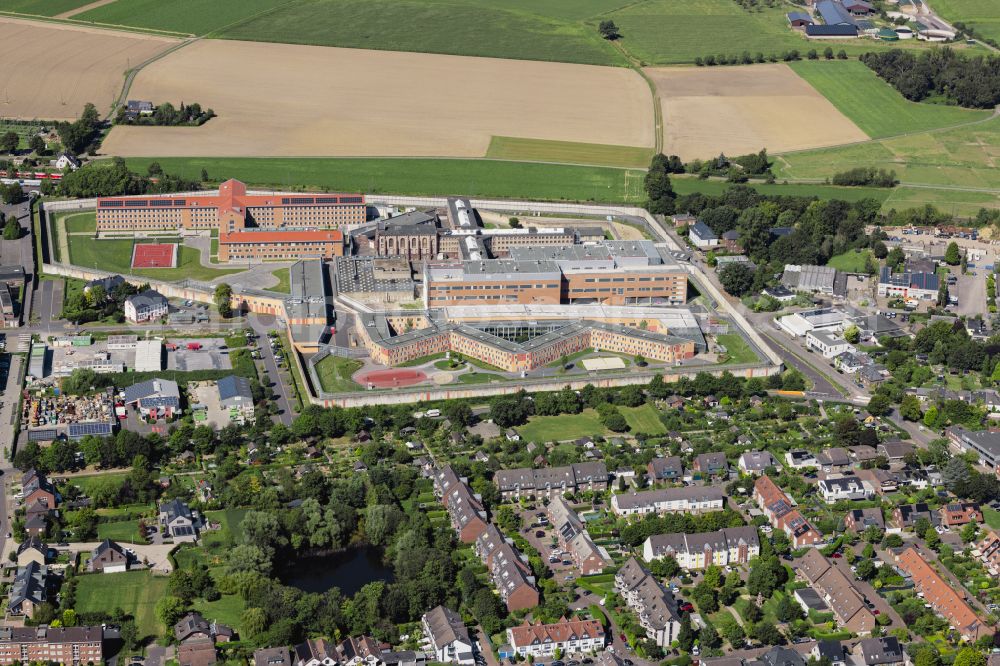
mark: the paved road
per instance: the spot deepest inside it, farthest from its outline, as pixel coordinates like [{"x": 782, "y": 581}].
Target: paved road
[
  {"x": 820, "y": 382},
  {"x": 261, "y": 325}
]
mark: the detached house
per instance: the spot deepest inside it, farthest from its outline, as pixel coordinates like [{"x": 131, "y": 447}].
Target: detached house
[
  {"x": 665, "y": 469},
  {"x": 108, "y": 557},
  {"x": 178, "y": 521},
  {"x": 757, "y": 462},
  {"x": 29, "y": 589},
  {"x": 960, "y": 513},
  {"x": 711, "y": 464}
]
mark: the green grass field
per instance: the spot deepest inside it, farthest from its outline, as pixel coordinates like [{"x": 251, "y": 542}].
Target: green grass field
[
  {"x": 644, "y": 418},
  {"x": 991, "y": 517},
  {"x": 335, "y": 374},
  {"x": 956, "y": 157},
  {"x": 982, "y": 15},
  {"x": 561, "y": 427},
  {"x": 480, "y": 377},
  {"x": 116, "y": 255},
  {"x": 284, "y": 281},
  {"x": 135, "y": 592},
  {"x": 81, "y": 223},
  {"x": 196, "y": 17},
  {"x": 738, "y": 350},
  {"x": 41, "y": 7},
  {"x": 538, "y": 150},
  {"x": 850, "y": 261},
  {"x": 547, "y": 30},
  {"x": 125, "y": 531},
  {"x": 875, "y": 106}
]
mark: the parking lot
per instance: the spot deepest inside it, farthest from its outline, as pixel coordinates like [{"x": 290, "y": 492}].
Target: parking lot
[
  {"x": 542, "y": 536},
  {"x": 210, "y": 355}
]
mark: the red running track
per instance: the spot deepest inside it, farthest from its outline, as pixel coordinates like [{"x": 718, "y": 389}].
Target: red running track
[{"x": 392, "y": 378}]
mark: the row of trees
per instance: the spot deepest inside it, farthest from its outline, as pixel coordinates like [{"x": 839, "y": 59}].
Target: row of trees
[
  {"x": 940, "y": 73},
  {"x": 167, "y": 114},
  {"x": 784, "y": 56},
  {"x": 114, "y": 178},
  {"x": 865, "y": 176}
]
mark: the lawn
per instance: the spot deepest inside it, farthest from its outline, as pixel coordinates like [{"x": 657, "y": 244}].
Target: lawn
[
  {"x": 81, "y": 223},
  {"x": 982, "y": 15},
  {"x": 468, "y": 177},
  {"x": 196, "y": 17},
  {"x": 850, "y": 261},
  {"x": 545, "y": 30},
  {"x": 874, "y": 105},
  {"x": 125, "y": 531},
  {"x": 737, "y": 349},
  {"x": 335, "y": 374},
  {"x": 135, "y": 592},
  {"x": 227, "y": 609},
  {"x": 284, "y": 282},
  {"x": 41, "y": 7},
  {"x": 562, "y": 427},
  {"x": 87, "y": 483},
  {"x": 229, "y": 527},
  {"x": 480, "y": 378},
  {"x": 539, "y": 150},
  {"x": 115, "y": 255},
  {"x": 992, "y": 517},
  {"x": 644, "y": 418}
]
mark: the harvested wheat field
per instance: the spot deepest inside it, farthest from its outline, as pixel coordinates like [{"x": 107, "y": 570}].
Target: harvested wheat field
[
  {"x": 288, "y": 100},
  {"x": 52, "y": 70},
  {"x": 737, "y": 110}
]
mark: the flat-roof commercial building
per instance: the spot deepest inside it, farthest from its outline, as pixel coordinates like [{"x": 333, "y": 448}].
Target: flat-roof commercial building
[
  {"x": 810, "y": 278},
  {"x": 229, "y": 210},
  {"x": 984, "y": 443},
  {"x": 908, "y": 284},
  {"x": 281, "y": 245}
]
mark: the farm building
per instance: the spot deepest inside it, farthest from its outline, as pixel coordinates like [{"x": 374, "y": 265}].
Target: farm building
[
  {"x": 858, "y": 7},
  {"x": 799, "y": 19},
  {"x": 834, "y": 13}
]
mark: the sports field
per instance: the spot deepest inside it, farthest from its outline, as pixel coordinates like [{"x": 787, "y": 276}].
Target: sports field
[
  {"x": 116, "y": 256},
  {"x": 379, "y": 103},
  {"x": 154, "y": 255},
  {"x": 874, "y": 105},
  {"x": 41, "y": 81},
  {"x": 135, "y": 592},
  {"x": 738, "y": 110},
  {"x": 982, "y": 15}
]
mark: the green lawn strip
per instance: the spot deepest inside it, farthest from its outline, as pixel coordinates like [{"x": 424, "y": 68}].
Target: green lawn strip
[
  {"x": 80, "y": 222},
  {"x": 420, "y": 361},
  {"x": 540, "y": 150},
  {"x": 850, "y": 261},
  {"x": 135, "y": 592},
  {"x": 644, "y": 418},
  {"x": 284, "y": 281},
  {"x": 877, "y": 108},
  {"x": 562, "y": 427},
  {"x": 992, "y": 517},
  {"x": 227, "y": 609},
  {"x": 335, "y": 372},
  {"x": 737, "y": 349},
  {"x": 87, "y": 483},
  {"x": 522, "y": 30},
  {"x": 480, "y": 378},
  {"x": 124, "y": 531},
  {"x": 982, "y": 15}
]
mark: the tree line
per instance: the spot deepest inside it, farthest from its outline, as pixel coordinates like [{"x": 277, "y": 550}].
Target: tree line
[
  {"x": 940, "y": 74},
  {"x": 167, "y": 115},
  {"x": 865, "y": 177},
  {"x": 114, "y": 178}
]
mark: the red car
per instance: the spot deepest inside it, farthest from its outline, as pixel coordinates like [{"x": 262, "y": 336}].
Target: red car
[
  {"x": 876, "y": 612},
  {"x": 687, "y": 606},
  {"x": 836, "y": 556}
]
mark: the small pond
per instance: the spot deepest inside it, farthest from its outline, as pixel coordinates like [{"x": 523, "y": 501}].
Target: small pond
[{"x": 350, "y": 570}]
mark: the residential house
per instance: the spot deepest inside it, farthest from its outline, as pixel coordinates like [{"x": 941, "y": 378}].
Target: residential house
[
  {"x": 509, "y": 570},
  {"x": 882, "y": 481},
  {"x": 448, "y": 636},
  {"x": 958, "y": 514},
  {"x": 777, "y": 506},
  {"x": 988, "y": 552},
  {"x": 858, "y": 520},
  {"x": 832, "y": 651},
  {"x": 178, "y": 521},
  {"x": 834, "y": 459},
  {"x": 882, "y": 651},
  {"x": 108, "y": 557},
  {"x": 907, "y": 515},
  {"x": 665, "y": 469},
  {"x": 51, "y": 645},
  {"x": 731, "y": 241},
  {"x": 108, "y": 284},
  {"x": 836, "y": 488},
  {"x": 730, "y": 546},
  {"x": 35, "y": 487},
  {"x": 829, "y": 344},
  {"x": 800, "y": 458},
  {"x": 315, "y": 652},
  {"x": 236, "y": 398},
  {"x": 359, "y": 651},
  {"x": 279, "y": 656},
  {"x": 688, "y": 499},
  {"x": 569, "y": 637},
  {"x": 849, "y": 362},
  {"x": 895, "y": 451},
  {"x": 586, "y": 555},
  {"x": 29, "y": 589},
  {"x": 655, "y": 607},
  {"x": 837, "y": 590},
  {"x": 757, "y": 462},
  {"x": 711, "y": 464},
  {"x": 66, "y": 161},
  {"x": 944, "y": 598},
  {"x": 552, "y": 481},
  {"x": 702, "y": 236},
  {"x": 31, "y": 550},
  {"x": 155, "y": 398},
  {"x": 146, "y": 306},
  {"x": 465, "y": 508},
  {"x": 862, "y": 453}
]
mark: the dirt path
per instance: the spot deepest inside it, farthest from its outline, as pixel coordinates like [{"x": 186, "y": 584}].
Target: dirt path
[{"x": 85, "y": 8}]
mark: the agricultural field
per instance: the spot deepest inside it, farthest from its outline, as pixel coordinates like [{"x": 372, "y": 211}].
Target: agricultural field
[
  {"x": 135, "y": 592},
  {"x": 194, "y": 17},
  {"x": 874, "y": 105},
  {"x": 738, "y": 110},
  {"x": 537, "y": 150},
  {"x": 962, "y": 157},
  {"x": 43, "y": 7},
  {"x": 552, "y": 101},
  {"x": 41, "y": 82},
  {"x": 981, "y": 15}
]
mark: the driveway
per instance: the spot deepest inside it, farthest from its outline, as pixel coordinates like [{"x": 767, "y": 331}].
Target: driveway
[{"x": 155, "y": 555}]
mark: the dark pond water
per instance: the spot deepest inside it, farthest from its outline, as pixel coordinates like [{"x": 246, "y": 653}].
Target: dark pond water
[{"x": 350, "y": 570}]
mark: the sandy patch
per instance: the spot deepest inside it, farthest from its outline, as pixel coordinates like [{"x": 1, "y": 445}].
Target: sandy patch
[
  {"x": 52, "y": 70},
  {"x": 287, "y": 100},
  {"x": 737, "y": 110}
]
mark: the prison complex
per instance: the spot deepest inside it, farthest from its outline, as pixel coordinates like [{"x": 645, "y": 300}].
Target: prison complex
[{"x": 231, "y": 210}]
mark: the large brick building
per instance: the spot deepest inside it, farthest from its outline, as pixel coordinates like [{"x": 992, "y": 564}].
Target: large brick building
[
  {"x": 232, "y": 209},
  {"x": 45, "y": 645},
  {"x": 281, "y": 245}
]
